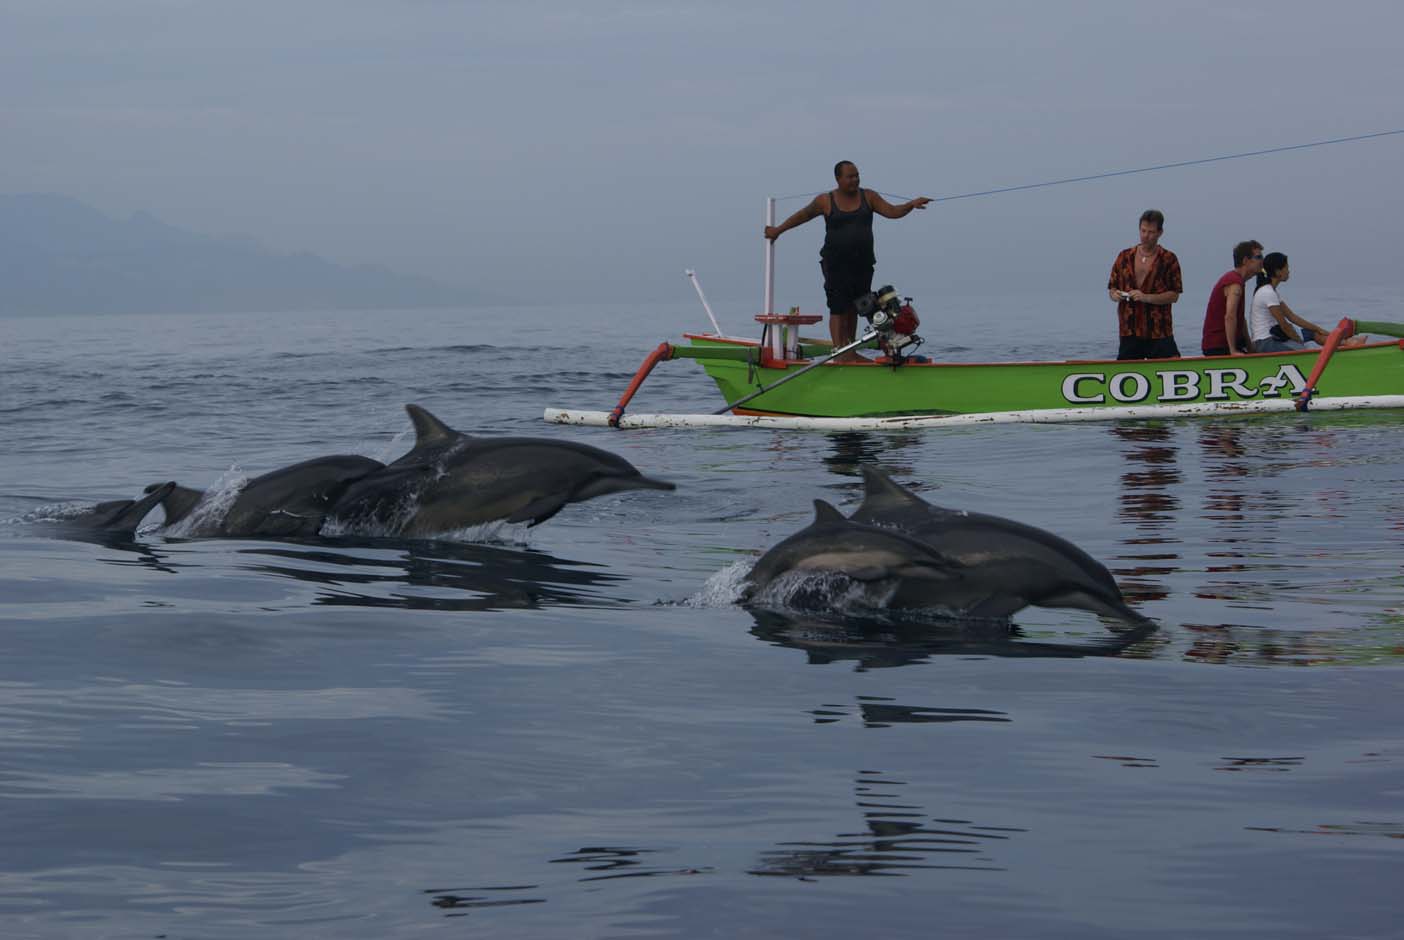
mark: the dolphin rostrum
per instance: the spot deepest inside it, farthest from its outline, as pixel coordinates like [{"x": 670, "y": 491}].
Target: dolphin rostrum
[
  {"x": 450, "y": 480},
  {"x": 289, "y": 502},
  {"x": 1019, "y": 564},
  {"x": 894, "y": 569},
  {"x": 119, "y": 517}
]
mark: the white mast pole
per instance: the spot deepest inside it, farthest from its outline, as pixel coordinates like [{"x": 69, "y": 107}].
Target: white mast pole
[
  {"x": 769, "y": 301},
  {"x": 692, "y": 276}
]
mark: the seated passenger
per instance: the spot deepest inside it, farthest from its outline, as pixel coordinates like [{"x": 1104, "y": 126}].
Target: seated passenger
[
  {"x": 1271, "y": 321},
  {"x": 1225, "y": 329}
]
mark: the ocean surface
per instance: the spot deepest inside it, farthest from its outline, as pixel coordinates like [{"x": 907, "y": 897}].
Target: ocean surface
[{"x": 575, "y": 731}]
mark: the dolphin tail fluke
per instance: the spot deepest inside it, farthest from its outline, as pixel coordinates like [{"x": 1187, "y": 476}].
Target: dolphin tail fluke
[
  {"x": 129, "y": 518},
  {"x": 178, "y": 501}
]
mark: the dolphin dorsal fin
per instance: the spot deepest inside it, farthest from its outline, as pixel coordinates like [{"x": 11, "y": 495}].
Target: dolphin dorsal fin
[
  {"x": 880, "y": 491},
  {"x": 427, "y": 428},
  {"x": 825, "y": 512}
]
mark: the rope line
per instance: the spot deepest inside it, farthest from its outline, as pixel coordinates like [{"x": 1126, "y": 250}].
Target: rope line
[{"x": 1143, "y": 169}]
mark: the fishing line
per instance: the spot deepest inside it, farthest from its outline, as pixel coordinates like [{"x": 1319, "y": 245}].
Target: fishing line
[{"x": 1143, "y": 169}]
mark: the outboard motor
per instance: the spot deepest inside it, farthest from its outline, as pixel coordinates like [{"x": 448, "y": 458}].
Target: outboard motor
[{"x": 894, "y": 321}]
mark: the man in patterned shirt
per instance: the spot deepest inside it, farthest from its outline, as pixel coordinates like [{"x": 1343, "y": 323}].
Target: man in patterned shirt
[{"x": 1144, "y": 282}]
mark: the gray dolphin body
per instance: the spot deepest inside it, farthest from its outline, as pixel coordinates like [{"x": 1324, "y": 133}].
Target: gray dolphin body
[
  {"x": 293, "y": 501},
  {"x": 120, "y": 517},
  {"x": 900, "y": 571},
  {"x": 1017, "y": 564},
  {"x": 450, "y": 480}
]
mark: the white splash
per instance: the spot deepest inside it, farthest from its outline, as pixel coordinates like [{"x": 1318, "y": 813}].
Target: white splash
[
  {"x": 830, "y": 591},
  {"x": 210, "y": 511},
  {"x": 394, "y": 446},
  {"x": 722, "y": 589}
]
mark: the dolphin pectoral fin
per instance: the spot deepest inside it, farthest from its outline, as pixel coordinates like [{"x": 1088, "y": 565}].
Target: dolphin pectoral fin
[
  {"x": 539, "y": 510},
  {"x": 998, "y": 607}
]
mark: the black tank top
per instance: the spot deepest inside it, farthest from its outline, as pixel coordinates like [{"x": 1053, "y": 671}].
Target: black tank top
[{"x": 848, "y": 236}]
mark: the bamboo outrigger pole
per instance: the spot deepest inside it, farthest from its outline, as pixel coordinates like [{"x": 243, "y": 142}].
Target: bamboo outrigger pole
[{"x": 1343, "y": 331}]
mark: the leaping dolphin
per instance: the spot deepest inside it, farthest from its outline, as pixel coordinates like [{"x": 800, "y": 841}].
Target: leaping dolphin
[
  {"x": 1021, "y": 564},
  {"x": 450, "y": 480},
  {"x": 894, "y": 569},
  {"x": 289, "y": 502}
]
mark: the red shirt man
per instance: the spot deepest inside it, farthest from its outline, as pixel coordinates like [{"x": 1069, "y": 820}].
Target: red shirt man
[
  {"x": 1225, "y": 330},
  {"x": 1144, "y": 282}
]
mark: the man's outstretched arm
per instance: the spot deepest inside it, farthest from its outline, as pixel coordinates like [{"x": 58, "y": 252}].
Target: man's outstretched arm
[
  {"x": 811, "y": 211},
  {"x": 888, "y": 211}
]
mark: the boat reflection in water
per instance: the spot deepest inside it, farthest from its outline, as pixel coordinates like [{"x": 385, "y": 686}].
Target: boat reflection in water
[{"x": 1151, "y": 505}]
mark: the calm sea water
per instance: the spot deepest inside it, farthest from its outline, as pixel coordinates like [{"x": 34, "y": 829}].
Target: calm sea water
[{"x": 572, "y": 731}]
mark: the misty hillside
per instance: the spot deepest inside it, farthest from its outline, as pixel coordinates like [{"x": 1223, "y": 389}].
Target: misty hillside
[{"x": 58, "y": 255}]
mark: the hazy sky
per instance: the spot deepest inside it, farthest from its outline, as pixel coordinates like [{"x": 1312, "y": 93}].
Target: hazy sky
[{"x": 557, "y": 149}]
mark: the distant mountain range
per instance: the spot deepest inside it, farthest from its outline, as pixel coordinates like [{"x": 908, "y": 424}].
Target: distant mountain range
[{"x": 59, "y": 256}]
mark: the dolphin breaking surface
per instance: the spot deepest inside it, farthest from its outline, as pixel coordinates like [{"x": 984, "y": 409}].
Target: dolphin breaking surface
[
  {"x": 447, "y": 482},
  {"x": 450, "y": 481},
  {"x": 899, "y": 552},
  {"x": 895, "y": 553}
]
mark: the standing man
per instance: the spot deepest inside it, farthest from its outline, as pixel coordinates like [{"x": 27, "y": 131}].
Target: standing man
[
  {"x": 847, "y": 258},
  {"x": 1225, "y": 330},
  {"x": 1144, "y": 282}
]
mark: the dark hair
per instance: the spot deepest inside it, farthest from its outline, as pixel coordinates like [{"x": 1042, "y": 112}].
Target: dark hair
[
  {"x": 1273, "y": 263},
  {"x": 1155, "y": 217},
  {"x": 1242, "y": 250},
  {"x": 841, "y": 164}
]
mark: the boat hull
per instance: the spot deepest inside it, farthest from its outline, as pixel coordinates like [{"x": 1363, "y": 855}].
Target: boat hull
[{"x": 1368, "y": 374}]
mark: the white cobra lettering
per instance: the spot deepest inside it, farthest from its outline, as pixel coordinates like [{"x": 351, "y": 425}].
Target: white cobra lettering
[
  {"x": 1139, "y": 383},
  {"x": 1179, "y": 385},
  {"x": 1287, "y": 375},
  {"x": 1072, "y": 394},
  {"x": 1220, "y": 380}
]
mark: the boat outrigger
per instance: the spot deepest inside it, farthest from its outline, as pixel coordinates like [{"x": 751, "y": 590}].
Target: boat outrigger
[{"x": 783, "y": 381}]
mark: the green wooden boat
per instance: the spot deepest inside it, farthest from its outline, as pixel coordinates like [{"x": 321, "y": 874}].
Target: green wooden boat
[
  {"x": 1369, "y": 375},
  {"x": 783, "y": 381}
]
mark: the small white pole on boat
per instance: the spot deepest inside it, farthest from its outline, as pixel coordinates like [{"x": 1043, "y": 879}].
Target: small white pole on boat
[
  {"x": 768, "y": 302},
  {"x": 692, "y": 276}
]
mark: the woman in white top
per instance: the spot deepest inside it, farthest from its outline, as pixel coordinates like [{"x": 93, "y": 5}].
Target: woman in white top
[{"x": 1270, "y": 320}]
